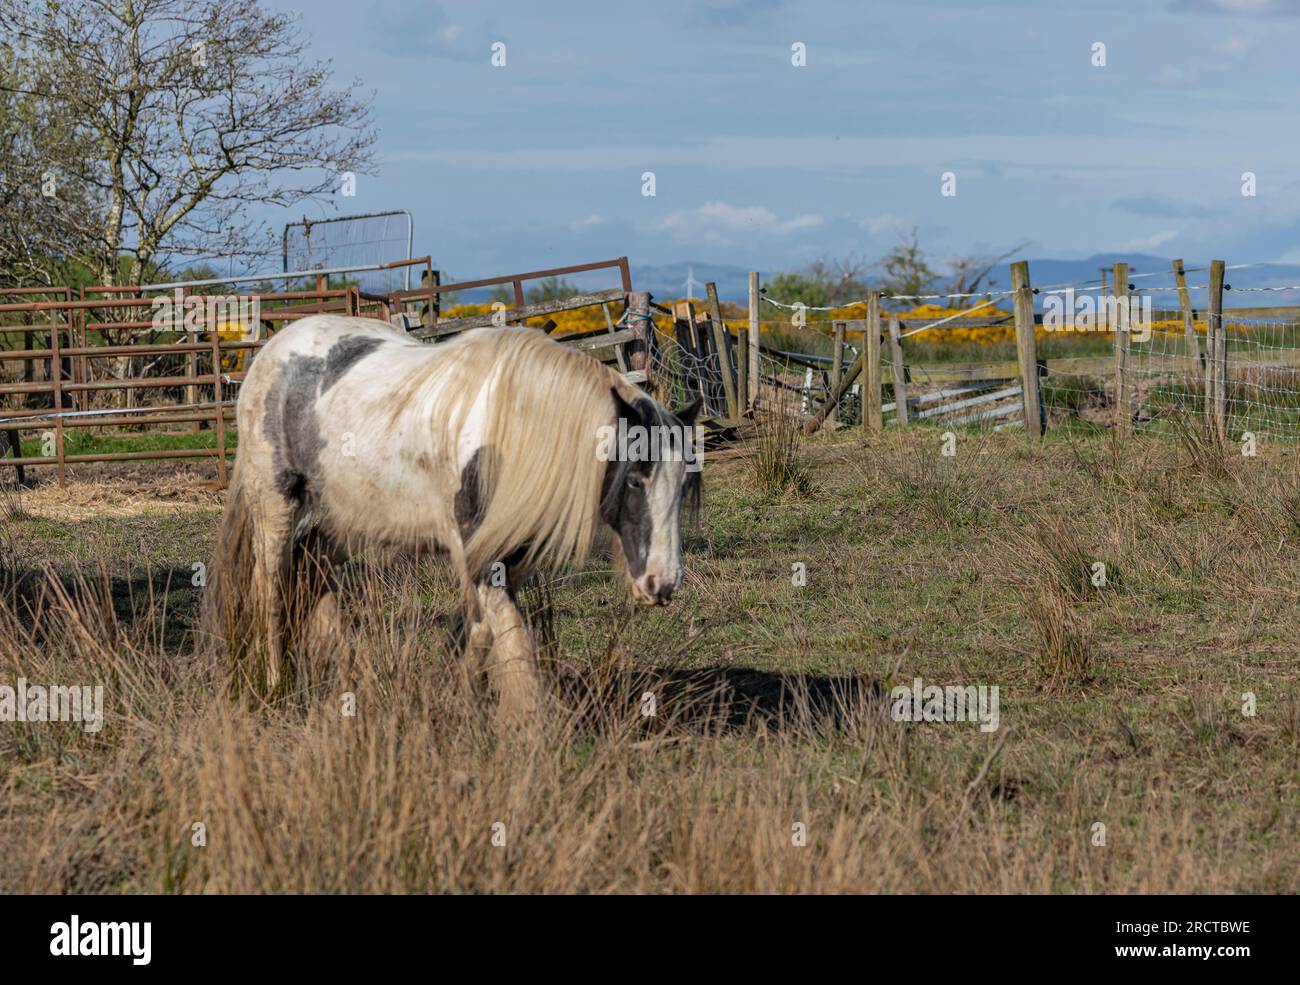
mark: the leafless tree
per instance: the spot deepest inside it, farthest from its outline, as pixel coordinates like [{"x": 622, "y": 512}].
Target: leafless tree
[
  {"x": 152, "y": 129},
  {"x": 971, "y": 274}
]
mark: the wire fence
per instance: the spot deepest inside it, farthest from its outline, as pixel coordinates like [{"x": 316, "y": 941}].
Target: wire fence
[{"x": 1166, "y": 376}]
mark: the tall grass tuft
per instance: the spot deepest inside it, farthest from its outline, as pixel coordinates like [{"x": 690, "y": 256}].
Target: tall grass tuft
[
  {"x": 778, "y": 463},
  {"x": 1064, "y": 651}
]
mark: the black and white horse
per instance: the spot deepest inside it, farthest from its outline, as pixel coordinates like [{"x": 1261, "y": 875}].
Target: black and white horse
[{"x": 500, "y": 448}]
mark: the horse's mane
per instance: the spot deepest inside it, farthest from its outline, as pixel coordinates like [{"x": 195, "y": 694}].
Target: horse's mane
[{"x": 539, "y": 478}]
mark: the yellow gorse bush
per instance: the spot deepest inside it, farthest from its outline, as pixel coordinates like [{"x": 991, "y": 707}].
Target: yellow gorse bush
[{"x": 592, "y": 319}]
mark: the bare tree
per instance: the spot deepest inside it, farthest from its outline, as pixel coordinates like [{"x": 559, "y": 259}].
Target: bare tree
[
  {"x": 173, "y": 119},
  {"x": 843, "y": 279},
  {"x": 905, "y": 270},
  {"x": 971, "y": 274},
  {"x": 43, "y": 212}
]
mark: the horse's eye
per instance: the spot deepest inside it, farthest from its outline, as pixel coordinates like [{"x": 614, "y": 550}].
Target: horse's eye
[{"x": 636, "y": 481}]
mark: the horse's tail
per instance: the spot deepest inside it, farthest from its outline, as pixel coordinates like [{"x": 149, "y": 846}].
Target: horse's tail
[{"x": 228, "y": 624}]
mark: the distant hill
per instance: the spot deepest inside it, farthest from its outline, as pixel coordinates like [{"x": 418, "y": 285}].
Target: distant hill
[
  {"x": 1155, "y": 272},
  {"x": 1145, "y": 271},
  {"x": 669, "y": 280}
]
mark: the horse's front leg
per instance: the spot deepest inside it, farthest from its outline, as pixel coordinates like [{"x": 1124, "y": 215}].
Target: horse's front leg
[{"x": 510, "y": 658}]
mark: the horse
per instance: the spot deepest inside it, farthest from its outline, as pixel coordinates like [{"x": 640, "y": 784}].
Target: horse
[{"x": 492, "y": 448}]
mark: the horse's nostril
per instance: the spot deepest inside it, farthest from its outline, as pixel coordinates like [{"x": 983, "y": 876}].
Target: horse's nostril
[{"x": 651, "y": 585}]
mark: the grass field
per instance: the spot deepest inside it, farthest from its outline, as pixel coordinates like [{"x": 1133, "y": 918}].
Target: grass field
[{"x": 1122, "y": 705}]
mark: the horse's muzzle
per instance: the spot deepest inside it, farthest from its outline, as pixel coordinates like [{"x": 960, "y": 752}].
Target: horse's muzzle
[{"x": 653, "y": 590}]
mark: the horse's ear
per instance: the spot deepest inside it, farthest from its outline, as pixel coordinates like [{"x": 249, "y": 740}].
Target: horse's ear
[
  {"x": 622, "y": 409},
  {"x": 688, "y": 413}
]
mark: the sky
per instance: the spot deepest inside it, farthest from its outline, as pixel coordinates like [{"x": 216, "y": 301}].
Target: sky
[{"x": 764, "y": 164}]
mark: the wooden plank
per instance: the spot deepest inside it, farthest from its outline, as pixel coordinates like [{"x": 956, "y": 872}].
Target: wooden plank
[
  {"x": 984, "y": 398},
  {"x": 720, "y": 346},
  {"x": 454, "y": 325},
  {"x": 873, "y": 418},
  {"x": 1119, "y": 291},
  {"x": 1026, "y": 346},
  {"x": 948, "y": 394},
  {"x": 619, "y": 355},
  {"x": 985, "y": 415},
  {"x": 814, "y": 422},
  {"x": 899, "y": 369},
  {"x": 607, "y": 340}
]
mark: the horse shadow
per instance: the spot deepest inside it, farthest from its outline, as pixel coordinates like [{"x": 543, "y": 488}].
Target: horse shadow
[
  {"x": 722, "y": 698},
  {"x": 166, "y": 596}
]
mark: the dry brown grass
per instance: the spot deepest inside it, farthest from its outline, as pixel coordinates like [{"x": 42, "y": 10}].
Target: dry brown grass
[
  {"x": 1120, "y": 705},
  {"x": 415, "y": 793}
]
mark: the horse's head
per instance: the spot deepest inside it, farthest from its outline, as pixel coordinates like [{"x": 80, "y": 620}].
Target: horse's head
[{"x": 652, "y": 467}]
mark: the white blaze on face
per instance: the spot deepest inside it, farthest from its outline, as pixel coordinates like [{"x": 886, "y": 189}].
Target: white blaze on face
[{"x": 663, "y": 561}]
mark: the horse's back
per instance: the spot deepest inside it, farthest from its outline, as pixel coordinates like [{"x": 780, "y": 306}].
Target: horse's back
[
  {"x": 316, "y": 334},
  {"x": 316, "y": 352}
]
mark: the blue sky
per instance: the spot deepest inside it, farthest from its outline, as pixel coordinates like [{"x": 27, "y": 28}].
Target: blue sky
[{"x": 765, "y": 165}]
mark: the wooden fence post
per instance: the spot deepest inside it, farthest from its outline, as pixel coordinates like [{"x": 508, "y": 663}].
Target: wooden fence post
[
  {"x": 1216, "y": 347},
  {"x": 431, "y": 310},
  {"x": 833, "y": 399},
  {"x": 219, "y": 420},
  {"x": 1026, "y": 346},
  {"x": 720, "y": 347},
  {"x": 742, "y": 365},
  {"x": 873, "y": 419},
  {"x": 1195, "y": 365},
  {"x": 1119, "y": 308},
  {"x": 837, "y": 362},
  {"x": 638, "y": 317},
  {"x": 900, "y": 371},
  {"x": 755, "y": 380},
  {"x": 191, "y": 362},
  {"x": 56, "y": 382}
]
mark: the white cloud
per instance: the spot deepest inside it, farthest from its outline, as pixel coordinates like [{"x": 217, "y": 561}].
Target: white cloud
[
  {"x": 806, "y": 221},
  {"x": 1152, "y": 242},
  {"x": 1234, "y": 46},
  {"x": 1261, "y": 7},
  {"x": 590, "y": 222},
  {"x": 887, "y": 223},
  {"x": 1174, "y": 75},
  {"x": 712, "y": 215},
  {"x": 737, "y": 216},
  {"x": 720, "y": 222}
]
